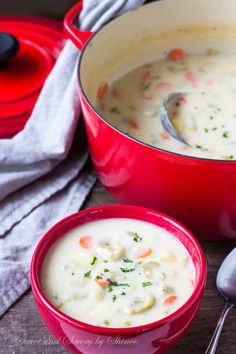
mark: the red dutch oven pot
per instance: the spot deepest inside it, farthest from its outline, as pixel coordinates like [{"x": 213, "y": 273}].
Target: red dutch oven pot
[{"x": 199, "y": 192}]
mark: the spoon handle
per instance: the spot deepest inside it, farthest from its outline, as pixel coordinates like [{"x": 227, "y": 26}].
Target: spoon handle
[{"x": 216, "y": 335}]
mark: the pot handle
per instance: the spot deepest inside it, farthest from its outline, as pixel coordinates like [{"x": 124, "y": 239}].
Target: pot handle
[{"x": 78, "y": 37}]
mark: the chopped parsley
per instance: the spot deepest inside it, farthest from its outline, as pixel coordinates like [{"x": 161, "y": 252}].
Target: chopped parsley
[
  {"x": 198, "y": 146},
  {"x": 135, "y": 236},
  {"x": 146, "y": 283},
  {"x": 127, "y": 270},
  {"x": 114, "y": 283},
  {"x": 94, "y": 260},
  {"x": 127, "y": 260},
  {"x": 225, "y": 135},
  {"x": 146, "y": 87},
  {"x": 106, "y": 270},
  {"x": 87, "y": 275},
  {"x": 114, "y": 298},
  {"x": 206, "y": 130},
  {"x": 123, "y": 293},
  {"x": 211, "y": 117},
  {"x": 115, "y": 110},
  {"x": 105, "y": 261},
  {"x": 72, "y": 273}
]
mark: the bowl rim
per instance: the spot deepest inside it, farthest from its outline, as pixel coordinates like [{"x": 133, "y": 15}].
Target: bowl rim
[
  {"x": 113, "y": 127},
  {"x": 39, "y": 294}
]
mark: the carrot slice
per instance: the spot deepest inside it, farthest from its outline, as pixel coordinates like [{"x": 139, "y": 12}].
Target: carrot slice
[
  {"x": 170, "y": 299},
  {"x": 102, "y": 282},
  {"x": 163, "y": 86},
  {"x": 185, "y": 148},
  {"x": 147, "y": 97},
  {"x": 132, "y": 123},
  {"x": 177, "y": 54},
  {"x": 85, "y": 241},
  {"x": 165, "y": 136},
  {"x": 146, "y": 253},
  {"x": 189, "y": 76},
  {"x": 182, "y": 101},
  {"x": 102, "y": 90}
]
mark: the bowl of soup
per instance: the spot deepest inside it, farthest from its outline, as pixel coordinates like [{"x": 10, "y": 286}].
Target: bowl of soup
[
  {"x": 125, "y": 72},
  {"x": 118, "y": 279}
]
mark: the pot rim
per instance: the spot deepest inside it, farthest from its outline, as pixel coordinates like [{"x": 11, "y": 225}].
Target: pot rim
[
  {"x": 149, "y": 146},
  {"x": 35, "y": 270}
]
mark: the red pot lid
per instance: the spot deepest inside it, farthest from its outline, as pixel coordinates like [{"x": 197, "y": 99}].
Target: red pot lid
[{"x": 29, "y": 47}]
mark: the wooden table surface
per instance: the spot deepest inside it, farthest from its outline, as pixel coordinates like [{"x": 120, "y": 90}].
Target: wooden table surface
[{"x": 22, "y": 331}]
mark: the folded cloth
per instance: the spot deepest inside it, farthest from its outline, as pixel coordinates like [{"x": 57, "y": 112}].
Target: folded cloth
[
  {"x": 21, "y": 203},
  {"x": 17, "y": 248},
  {"x": 43, "y": 177}
]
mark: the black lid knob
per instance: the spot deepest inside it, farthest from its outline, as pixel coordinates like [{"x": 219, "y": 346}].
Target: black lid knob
[{"x": 9, "y": 46}]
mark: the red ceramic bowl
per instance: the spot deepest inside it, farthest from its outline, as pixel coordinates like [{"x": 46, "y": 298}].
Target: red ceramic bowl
[
  {"x": 199, "y": 192},
  {"x": 84, "y": 338}
]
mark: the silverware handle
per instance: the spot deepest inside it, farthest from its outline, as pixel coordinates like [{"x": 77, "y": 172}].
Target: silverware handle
[{"x": 216, "y": 335}]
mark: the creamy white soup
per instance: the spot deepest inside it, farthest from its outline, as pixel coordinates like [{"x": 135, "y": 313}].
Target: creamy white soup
[
  {"x": 205, "y": 118},
  {"x": 118, "y": 273}
]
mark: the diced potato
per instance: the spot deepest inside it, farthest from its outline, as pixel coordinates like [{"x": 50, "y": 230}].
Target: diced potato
[
  {"x": 117, "y": 276},
  {"x": 168, "y": 289},
  {"x": 112, "y": 250},
  {"x": 178, "y": 124},
  {"x": 167, "y": 256},
  {"x": 213, "y": 52},
  {"x": 191, "y": 129},
  {"x": 184, "y": 260},
  {"x": 82, "y": 259},
  {"x": 98, "y": 293},
  {"x": 148, "y": 268},
  {"x": 141, "y": 304},
  {"x": 162, "y": 275}
]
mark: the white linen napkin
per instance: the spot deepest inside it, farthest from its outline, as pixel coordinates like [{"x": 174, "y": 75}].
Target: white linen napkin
[{"x": 44, "y": 175}]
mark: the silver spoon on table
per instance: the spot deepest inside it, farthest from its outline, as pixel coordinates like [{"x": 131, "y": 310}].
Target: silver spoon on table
[
  {"x": 226, "y": 285},
  {"x": 165, "y": 115}
]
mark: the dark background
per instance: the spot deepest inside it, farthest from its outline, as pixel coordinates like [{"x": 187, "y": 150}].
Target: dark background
[{"x": 50, "y": 8}]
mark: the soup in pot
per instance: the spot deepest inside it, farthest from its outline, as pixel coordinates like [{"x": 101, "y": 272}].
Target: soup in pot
[
  {"x": 118, "y": 273},
  {"x": 205, "y": 117}
]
